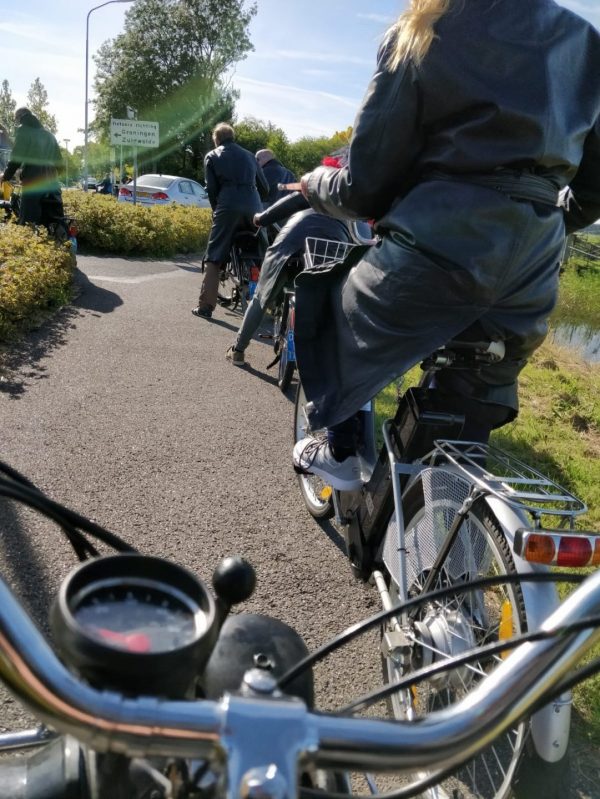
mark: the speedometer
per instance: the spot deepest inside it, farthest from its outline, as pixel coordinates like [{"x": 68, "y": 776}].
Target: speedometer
[
  {"x": 136, "y": 624},
  {"x": 140, "y": 616}
]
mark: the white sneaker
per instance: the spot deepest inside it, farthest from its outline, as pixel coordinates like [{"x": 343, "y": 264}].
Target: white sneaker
[{"x": 314, "y": 456}]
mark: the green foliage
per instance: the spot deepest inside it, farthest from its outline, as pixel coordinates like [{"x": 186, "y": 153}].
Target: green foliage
[
  {"x": 307, "y": 153},
  {"x": 35, "y": 276},
  {"x": 8, "y": 106},
  {"x": 124, "y": 229},
  {"x": 579, "y": 298},
  {"x": 37, "y": 102},
  {"x": 300, "y": 156},
  {"x": 169, "y": 64},
  {"x": 558, "y": 427},
  {"x": 255, "y": 134}
]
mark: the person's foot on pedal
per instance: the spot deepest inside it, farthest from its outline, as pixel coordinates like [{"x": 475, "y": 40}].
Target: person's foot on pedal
[
  {"x": 236, "y": 357},
  {"x": 314, "y": 456},
  {"x": 204, "y": 313}
]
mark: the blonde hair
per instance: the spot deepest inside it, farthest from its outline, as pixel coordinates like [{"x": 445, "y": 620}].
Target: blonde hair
[{"x": 412, "y": 34}]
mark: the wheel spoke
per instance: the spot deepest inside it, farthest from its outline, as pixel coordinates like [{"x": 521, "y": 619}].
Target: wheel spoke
[{"x": 442, "y": 630}]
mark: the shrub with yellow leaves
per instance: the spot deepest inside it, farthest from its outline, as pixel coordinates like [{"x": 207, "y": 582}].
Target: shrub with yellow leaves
[
  {"x": 35, "y": 276},
  {"x": 126, "y": 229}
]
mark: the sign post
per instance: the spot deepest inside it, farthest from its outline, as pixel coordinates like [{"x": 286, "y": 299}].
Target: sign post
[{"x": 134, "y": 133}]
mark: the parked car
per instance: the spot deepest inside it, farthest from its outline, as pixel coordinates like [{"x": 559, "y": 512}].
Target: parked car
[
  {"x": 165, "y": 189},
  {"x": 92, "y": 183}
]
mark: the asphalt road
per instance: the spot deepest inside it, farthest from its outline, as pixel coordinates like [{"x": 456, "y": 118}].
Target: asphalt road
[{"x": 125, "y": 409}]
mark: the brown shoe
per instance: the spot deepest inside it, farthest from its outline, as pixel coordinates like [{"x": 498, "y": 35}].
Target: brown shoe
[{"x": 235, "y": 356}]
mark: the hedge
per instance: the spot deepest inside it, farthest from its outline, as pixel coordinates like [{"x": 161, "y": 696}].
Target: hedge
[
  {"x": 35, "y": 276},
  {"x": 126, "y": 229}
]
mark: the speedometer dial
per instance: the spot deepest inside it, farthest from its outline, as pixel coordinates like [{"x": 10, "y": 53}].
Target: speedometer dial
[{"x": 139, "y": 617}]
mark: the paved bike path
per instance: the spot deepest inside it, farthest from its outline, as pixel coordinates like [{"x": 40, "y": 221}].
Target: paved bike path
[{"x": 124, "y": 408}]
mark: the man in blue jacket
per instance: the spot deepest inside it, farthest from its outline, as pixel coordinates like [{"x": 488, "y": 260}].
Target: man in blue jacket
[{"x": 235, "y": 184}]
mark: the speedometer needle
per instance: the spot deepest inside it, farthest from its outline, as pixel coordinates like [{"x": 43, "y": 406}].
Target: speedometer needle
[{"x": 133, "y": 642}]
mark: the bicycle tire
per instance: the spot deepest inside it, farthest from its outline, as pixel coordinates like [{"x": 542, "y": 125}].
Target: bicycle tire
[
  {"x": 455, "y": 625},
  {"x": 228, "y": 291},
  {"x": 286, "y": 366},
  {"x": 316, "y": 494},
  {"x": 286, "y": 372}
]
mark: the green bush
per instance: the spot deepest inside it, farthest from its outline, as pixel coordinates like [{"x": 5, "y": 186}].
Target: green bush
[
  {"x": 35, "y": 276},
  {"x": 126, "y": 229}
]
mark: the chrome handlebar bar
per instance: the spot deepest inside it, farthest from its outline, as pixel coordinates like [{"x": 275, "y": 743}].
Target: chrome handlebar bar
[{"x": 290, "y": 735}]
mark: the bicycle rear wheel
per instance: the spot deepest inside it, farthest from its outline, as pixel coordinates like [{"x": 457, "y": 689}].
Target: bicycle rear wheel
[
  {"x": 317, "y": 495},
  {"x": 228, "y": 293},
  {"x": 456, "y": 624}
]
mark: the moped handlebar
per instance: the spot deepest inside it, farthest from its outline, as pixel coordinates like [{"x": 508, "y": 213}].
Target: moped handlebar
[{"x": 289, "y": 733}]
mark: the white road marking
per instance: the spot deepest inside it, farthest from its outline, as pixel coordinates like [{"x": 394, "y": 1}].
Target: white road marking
[{"x": 139, "y": 279}]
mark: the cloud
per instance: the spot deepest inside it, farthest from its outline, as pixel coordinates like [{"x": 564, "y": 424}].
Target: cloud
[
  {"x": 379, "y": 18},
  {"x": 319, "y": 73},
  {"x": 308, "y": 97},
  {"x": 33, "y": 33},
  {"x": 300, "y": 112},
  {"x": 314, "y": 57}
]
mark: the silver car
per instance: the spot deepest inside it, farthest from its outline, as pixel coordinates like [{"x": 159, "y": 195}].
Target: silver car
[{"x": 165, "y": 189}]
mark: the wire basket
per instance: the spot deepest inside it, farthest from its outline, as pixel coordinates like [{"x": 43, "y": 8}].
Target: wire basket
[{"x": 322, "y": 253}]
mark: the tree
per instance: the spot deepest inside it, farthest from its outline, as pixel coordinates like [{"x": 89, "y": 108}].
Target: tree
[
  {"x": 37, "y": 100},
  {"x": 8, "y": 107},
  {"x": 170, "y": 63},
  {"x": 254, "y": 134}
]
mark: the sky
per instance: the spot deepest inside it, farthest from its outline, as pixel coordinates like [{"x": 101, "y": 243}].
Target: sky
[{"x": 311, "y": 63}]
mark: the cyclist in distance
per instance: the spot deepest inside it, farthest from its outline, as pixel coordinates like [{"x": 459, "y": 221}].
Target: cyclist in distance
[
  {"x": 471, "y": 126},
  {"x": 279, "y": 266},
  {"x": 37, "y": 154},
  {"x": 275, "y": 173},
  {"x": 235, "y": 184}
]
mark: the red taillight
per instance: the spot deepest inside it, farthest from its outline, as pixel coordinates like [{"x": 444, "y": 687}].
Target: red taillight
[
  {"x": 574, "y": 551},
  {"x": 123, "y": 192},
  {"x": 159, "y": 195},
  {"x": 554, "y": 547}
]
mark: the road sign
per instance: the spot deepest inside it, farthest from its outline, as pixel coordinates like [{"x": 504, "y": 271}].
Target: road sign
[{"x": 134, "y": 132}]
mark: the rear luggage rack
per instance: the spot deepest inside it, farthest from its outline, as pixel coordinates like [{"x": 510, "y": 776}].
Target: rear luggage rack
[{"x": 508, "y": 478}]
